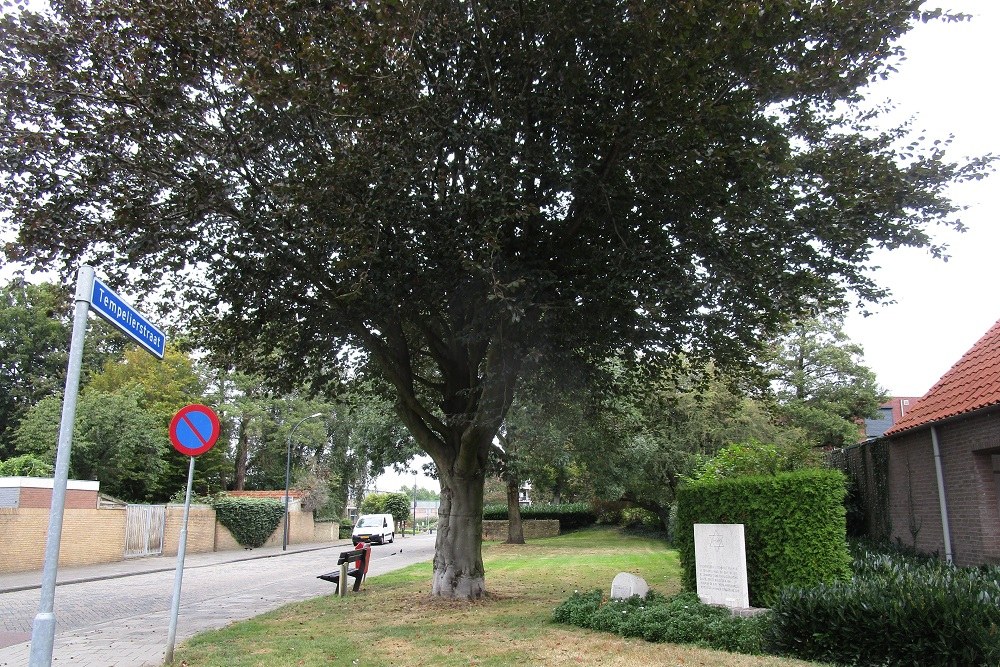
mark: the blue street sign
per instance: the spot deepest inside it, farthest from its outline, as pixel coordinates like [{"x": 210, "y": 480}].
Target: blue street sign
[{"x": 111, "y": 307}]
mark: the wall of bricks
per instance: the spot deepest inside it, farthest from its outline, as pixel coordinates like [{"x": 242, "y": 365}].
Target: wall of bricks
[
  {"x": 89, "y": 536},
  {"x": 92, "y": 536},
  {"x": 533, "y": 528},
  {"x": 967, "y": 446},
  {"x": 200, "y": 532},
  {"x": 75, "y": 498}
]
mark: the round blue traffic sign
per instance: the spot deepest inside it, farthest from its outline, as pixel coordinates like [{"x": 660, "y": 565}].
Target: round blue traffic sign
[{"x": 194, "y": 429}]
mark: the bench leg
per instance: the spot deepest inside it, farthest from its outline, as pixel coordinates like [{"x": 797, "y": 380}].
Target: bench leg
[{"x": 342, "y": 584}]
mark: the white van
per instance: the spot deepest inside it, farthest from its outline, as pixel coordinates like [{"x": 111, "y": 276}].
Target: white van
[{"x": 374, "y": 528}]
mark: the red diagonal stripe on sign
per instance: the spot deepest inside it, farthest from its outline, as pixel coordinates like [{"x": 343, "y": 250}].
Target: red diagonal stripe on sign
[{"x": 187, "y": 421}]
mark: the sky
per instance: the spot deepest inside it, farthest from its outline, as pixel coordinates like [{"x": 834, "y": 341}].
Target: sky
[{"x": 949, "y": 85}]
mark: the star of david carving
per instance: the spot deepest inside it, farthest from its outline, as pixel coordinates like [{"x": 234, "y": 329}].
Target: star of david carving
[{"x": 715, "y": 540}]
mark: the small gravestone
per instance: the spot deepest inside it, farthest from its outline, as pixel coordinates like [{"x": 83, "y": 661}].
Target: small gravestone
[
  {"x": 720, "y": 559},
  {"x": 625, "y": 585}
]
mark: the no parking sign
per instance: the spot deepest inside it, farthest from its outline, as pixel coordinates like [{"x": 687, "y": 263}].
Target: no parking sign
[{"x": 194, "y": 429}]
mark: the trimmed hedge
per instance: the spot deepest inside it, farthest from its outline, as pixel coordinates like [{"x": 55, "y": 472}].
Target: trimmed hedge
[
  {"x": 794, "y": 527},
  {"x": 896, "y": 611},
  {"x": 250, "y": 520},
  {"x": 570, "y": 515},
  {"x": 681, "y": 619}
]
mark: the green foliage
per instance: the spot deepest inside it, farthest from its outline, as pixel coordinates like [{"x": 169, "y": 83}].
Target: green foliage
[
  {"x": 895, "y": 611},
  {"x": 26, "y": 465},
  {"x": 570, "y": 515},
  {"x": 821, "y": 383},
  {"x": 115, "y": 441},
  {"x": 398, "y": 505},
  {"x": 794, "y": 527},
  {"x": 751, "y": 458},
  {"x": 34, "y": 350},
  {"x": 867, "y": 468},
  {"x": 250, "y": 520},
  {"x": 681, "y": 619},
  {"x": 374, "y": 503}
]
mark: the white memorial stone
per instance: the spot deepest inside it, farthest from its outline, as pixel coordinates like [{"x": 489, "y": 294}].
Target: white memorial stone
[
  {"x": 625, "y": 585},
  {"x": 721, "y": 564}
]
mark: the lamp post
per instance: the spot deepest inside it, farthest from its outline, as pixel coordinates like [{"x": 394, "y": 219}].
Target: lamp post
[
  {"x": 288, "y": 470},
  {"x": 414, "y": 504}
]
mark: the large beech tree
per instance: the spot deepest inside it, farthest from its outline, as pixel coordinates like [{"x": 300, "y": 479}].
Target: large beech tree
[{"x": 450, "y": 187}]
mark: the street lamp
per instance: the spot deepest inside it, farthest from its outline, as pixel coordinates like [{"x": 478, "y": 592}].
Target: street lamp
[{"x": 288, "y": 470}]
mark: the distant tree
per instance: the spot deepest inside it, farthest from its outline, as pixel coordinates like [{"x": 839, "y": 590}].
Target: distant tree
[
  {"x": 161, "y": 387},
  {"x": 398, "y": 505},
  {"x": 653, "y": 429},
  {"x": 34, "y": 349},
  {"x": 821, "y": 383},
  {"x": 115, "y": 441},
  {"x": 374, "y": 503}
]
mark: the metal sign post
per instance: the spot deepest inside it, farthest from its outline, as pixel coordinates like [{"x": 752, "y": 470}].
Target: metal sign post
[
  {"x": 193, "y": 431},
  {"x": 89, "y": 290}
]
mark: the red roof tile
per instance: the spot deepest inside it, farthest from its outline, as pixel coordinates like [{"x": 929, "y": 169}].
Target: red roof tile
[
  {"x": 971, "y": 384},
  {"x": 280, "y": 494}
]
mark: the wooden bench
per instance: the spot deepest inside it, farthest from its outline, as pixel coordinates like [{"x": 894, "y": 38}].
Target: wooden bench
[{"x": 361, "y": 558}]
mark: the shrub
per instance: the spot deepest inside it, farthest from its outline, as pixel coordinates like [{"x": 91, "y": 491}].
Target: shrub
[
  {"x": 25, "y": 465},
  {"x": 897, "y": 610},
  {"x": 794, "y": 527},
  {"x": 570, "y": 515},
  {"x": 681, "y": 619},
  {"x": 250, "y": 520}
]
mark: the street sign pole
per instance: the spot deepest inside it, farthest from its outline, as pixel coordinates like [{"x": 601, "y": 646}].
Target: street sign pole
[
  {"x": 91, "y": 294},
  {"x": 179, "y": 572},
  {"x": 43, "y": 630},
  {"x": 193, "y": 431}
]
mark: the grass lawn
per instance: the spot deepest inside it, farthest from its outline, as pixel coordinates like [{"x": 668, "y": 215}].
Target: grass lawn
[{"x": 394, "y": 621}]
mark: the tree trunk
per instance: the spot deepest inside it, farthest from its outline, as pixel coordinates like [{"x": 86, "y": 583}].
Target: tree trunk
[
  {"x": 515, "y": 530},
  {"x": 458, "y": 556},
  {"x": 242, "y": 452}
]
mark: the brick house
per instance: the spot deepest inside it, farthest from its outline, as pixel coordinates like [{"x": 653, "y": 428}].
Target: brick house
[{"x": 944, "y": 462}]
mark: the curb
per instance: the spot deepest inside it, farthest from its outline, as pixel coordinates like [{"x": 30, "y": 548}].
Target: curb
[{"x": 154, "y": 570}]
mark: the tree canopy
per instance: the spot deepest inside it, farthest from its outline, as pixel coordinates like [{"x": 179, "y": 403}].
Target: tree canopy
[{"x": 450, "y": 188}]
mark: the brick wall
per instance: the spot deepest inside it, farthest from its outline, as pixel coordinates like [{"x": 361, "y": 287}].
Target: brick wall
[
  {"x": 497, "y": 530},
  {"x": 970, "y": 489},
  {"x": 200, "y": 532},
  {"x": 75, "y": 498},
  {"x": 93, "y": 536},
  {"x": 89, "y": 536}
]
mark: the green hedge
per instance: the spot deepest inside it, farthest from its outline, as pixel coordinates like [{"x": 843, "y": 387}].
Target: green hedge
[
  {"x": 250, "y": 520},
  {"x": 896, "y": 611},
  {"x": 570, "y": 515},
  {"x": 681, "y": 619},
  {"x": 794, "y": 527}
]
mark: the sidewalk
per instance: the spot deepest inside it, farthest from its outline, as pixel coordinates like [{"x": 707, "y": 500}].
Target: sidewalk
[{"x": 23, "y": 581}]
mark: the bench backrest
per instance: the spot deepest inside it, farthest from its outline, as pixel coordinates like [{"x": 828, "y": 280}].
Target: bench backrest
[{"x": 361, "y": 554}]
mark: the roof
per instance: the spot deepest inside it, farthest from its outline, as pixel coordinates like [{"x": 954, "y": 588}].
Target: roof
[
  {"x": 890, "y": 413},
  {"x": 973, "y": 383},
  {"x": 279, "y": 494}
]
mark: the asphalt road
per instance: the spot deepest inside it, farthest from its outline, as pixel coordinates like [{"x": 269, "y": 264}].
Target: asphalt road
[{"x": 122, "y": 621}]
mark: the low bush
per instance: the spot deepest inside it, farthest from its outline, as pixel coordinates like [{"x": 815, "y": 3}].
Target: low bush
[
  {"x": 897, "y": 610},
  {"x": 250, "y": 520},
  {"x": 681, "y": 619},
  {"x": 570, "y": 515}
]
